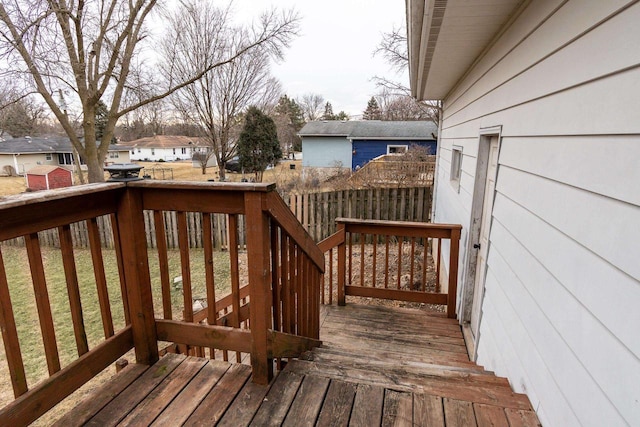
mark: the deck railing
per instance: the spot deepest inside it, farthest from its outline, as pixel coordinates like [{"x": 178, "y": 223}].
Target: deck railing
[
  {"x": 390, "y": 260},
  {"x": 271, "y": 310}
]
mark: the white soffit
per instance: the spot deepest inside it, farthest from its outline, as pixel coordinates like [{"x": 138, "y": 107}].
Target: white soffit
[{"x": 445, "y": 37}]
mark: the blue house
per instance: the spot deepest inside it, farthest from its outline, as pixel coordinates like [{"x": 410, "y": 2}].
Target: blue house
[{"x": 351, "y": 144}]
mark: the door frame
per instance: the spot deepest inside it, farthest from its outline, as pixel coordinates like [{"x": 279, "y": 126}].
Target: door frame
[{"x": 475, "y": 221}]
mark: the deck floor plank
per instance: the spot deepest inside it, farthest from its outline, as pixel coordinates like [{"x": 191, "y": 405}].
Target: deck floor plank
[
  {"x": 151, "y": 406},
  {"x": 188, "y": 400},
  {"x": 126, "y": 401},
  {"x": 81, "y": 413},
  {"x": 367, "y": 406},
  {"x": 214, "y": 405},
  {"x": 307, "y": 403},
  {"x": 336, "y": 409},
  {"x": 398, "y": 409},
  {"x": 245, "y": 406},
  {"x": 490, "y": 416},
  {"x": 458, "y": 413},
  {"x": 428, "y": 410},
  {"x": 276, "y": 404},
  {"x": 521, "y": 418}
]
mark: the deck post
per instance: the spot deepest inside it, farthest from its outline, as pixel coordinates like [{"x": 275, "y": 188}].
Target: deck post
[
  {"x": 342, "y": 265},
  {"x": 258, "y": 243},
  {"x": 135, "y": 261},
  {"x": 453, "y": 273}
]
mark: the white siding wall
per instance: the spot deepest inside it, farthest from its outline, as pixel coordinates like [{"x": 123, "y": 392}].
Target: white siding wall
[
  {"x": 155, "y": 154},
  {"x": 561, "y": 310},
  {"x": 326, "y": 152}
]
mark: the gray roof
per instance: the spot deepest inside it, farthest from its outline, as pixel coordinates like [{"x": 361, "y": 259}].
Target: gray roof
[
  {"x": 371, "y": 129},
  {"x": 54, "y": 144}
]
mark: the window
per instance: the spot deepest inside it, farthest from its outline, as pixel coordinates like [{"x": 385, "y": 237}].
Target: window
[
  {"x": 114, "y": 155},
  {"x": 397, "y": 149},
  {"x": 65, "y": 158},
  {"x": 184, "y": 150},
  {"x": 48, "y": 156},
  {"x": 174, "y": 151},
  {"x": 456, "y": 167},
  {"x": 153, "y": 151},
  {"x": 139, "y": 150}
]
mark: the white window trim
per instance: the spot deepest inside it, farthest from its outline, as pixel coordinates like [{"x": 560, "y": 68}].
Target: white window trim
[
  {"x": 405, "y": 146},
  {"x": 456, "y": 167}
]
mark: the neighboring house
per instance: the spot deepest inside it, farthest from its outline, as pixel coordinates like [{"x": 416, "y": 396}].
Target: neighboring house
[
  {"x": 22, "y": 154},
  {"x": 166, "y": 148},
  {"x": 538, "y": 159},
  {"x": 351, "y": 144},
  {"x": 48, "y": 177}
]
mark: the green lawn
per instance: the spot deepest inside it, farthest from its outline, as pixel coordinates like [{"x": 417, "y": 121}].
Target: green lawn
[{"x": 25, "y": 312}]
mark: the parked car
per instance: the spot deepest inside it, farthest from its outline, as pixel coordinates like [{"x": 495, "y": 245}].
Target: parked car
[{"x": 233, "y": 165}]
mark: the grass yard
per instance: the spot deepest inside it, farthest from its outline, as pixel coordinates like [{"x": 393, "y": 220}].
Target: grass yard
[
  {"x": 282, "y": 175},
  {"x": 25, "y": 312}
]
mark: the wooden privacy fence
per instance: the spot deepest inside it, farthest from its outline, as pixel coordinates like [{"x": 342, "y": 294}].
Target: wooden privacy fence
[
  {"x": 80, "y": 232},
  {"x": 318, "y": 211}
]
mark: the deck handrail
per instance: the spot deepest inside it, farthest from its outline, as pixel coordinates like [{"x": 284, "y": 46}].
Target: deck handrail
[
  {"x": 376, "y": 232},
  {"x": 279, "y": 296}
]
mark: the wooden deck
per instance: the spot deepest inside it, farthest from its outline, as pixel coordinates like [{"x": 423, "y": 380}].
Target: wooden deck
[{"x": 377, "y": 366}]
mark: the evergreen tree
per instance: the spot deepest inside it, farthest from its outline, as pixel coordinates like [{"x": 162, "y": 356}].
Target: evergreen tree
[
  {"x": 289, "y": 120},
  {"x": 373, "y": 111},
  {"x": 258, "y": 145},
  {"x": 341, "y": 116},
  {"x": 328, "y": 112}
]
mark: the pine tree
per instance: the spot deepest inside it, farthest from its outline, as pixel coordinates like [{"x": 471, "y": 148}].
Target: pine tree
[
  {"x": 373, "y": 111},
  {"x": 258, "y": 145},
  {"x": 328, "y": 112}
]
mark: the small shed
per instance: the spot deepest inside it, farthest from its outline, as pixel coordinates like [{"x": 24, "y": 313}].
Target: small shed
[{"x": 48, "y": 177}]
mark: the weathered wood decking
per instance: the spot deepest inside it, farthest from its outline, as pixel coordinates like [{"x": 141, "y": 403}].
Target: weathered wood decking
[{"x": 378, "y": 366}]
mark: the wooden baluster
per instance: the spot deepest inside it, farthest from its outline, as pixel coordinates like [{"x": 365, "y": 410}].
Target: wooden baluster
[
  {"x": 42, "y": 302},
  {"x": 350, "y": 281},
  {"x": 362, "y": 240},
  {"x": 375, "y": 259},
  {"x": 276, "y": 274},
  {"x": 413, "y": 262},
  {"x": 209, "y": 274},
  {"x": 118, "y": 250},
  {"x": 235, "y": 274},
  {"x": 386, "y": 262},
  {"x": 285, "y": 274},
  {"x": 163, "y": 264},
  {"x": 342, "y": 254},
  {"x": 71, "y": 275},
  {"x": 292, "y": 265},
  {"x": 257, "y": 226},
  {"x": 453, "y": 273},
  {"x": 101, "y": 279},
  {"x": 299, "y": 286},
  {"x": 330, "y": 277},
  {"x": 424, "y": 264},
  {"x": 10, "y": 336},
  {"x": 400, "y": 242},
  {"x": 183, "y": 244},
  {"x": 438, "y": 287}
]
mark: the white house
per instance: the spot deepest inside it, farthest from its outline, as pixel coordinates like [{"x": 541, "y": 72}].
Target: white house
[
  {"x": 539, "y": 160},
  {"x": 166, "y": 148}
]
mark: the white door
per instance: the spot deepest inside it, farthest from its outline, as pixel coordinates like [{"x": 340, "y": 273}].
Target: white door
[{"x": 485, "y": 228}]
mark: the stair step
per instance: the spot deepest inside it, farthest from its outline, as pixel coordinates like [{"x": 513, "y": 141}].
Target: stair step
[
  {"x": 455, "y": 388},
  {"x": 330, "y": 355}
]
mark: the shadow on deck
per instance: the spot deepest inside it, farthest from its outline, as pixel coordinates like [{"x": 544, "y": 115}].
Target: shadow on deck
[{"x": 377, "y": 366}]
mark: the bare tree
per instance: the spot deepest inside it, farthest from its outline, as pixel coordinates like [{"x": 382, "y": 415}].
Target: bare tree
[
  {"x": 91, "y": 48},
  {"x": 393, "y": 49},
  {"x": 20, "y": 116},
  {"x": 217, "y": 100},
  {"x": 312, "y": 106}
]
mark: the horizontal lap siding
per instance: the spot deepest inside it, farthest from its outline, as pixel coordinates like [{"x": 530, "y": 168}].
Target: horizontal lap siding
[{"x": 560, "y": 310}]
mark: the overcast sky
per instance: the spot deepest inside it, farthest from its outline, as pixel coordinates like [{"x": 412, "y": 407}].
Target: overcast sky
[{"x": 333, "y": 55}]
